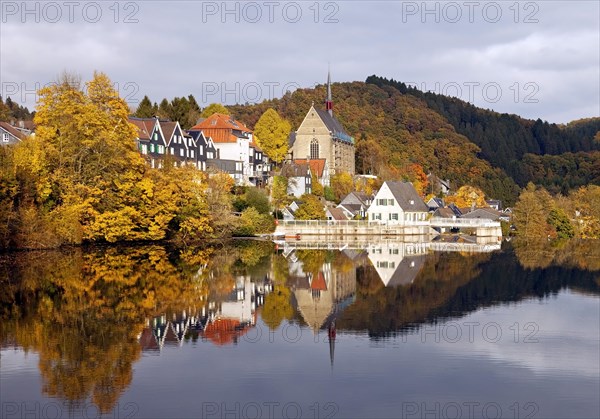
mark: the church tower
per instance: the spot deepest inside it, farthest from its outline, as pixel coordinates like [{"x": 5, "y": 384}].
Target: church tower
[
  {"x": 329, "y": 101},
  {"x": 322, "y": 141}
]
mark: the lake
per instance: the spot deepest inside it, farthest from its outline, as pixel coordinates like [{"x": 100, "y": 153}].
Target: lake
[{"x": 253, "y": 329}]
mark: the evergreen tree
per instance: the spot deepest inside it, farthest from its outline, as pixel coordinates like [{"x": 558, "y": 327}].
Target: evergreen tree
[{"x": 145, "y": 108}]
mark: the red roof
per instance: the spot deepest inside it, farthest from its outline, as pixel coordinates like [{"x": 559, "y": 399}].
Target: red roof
[
  {"x": 224, "y": 331},
  {"x": 220, "y": 127},
  {"x": 319, "y": 283},
  {"x": 317, "y": 166}
]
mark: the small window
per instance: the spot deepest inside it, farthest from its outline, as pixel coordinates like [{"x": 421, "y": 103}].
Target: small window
[
  {"x": 5, "y": 138},
  {"x": 182, "y": 152},
  {"x": 390, "y": 202}
]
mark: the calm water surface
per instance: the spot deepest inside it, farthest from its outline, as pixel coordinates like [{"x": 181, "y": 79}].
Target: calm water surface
[{"x": 254, "y": 330}]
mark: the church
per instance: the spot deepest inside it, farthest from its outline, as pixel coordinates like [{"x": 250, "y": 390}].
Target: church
[{"x": 321, "y": 137}]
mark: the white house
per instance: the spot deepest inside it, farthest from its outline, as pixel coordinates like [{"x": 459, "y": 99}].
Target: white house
[{"x": 397, "y": 203}]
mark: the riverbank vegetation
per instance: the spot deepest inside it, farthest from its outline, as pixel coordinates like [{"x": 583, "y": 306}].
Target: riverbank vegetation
[{"x": 81, "y": 179}]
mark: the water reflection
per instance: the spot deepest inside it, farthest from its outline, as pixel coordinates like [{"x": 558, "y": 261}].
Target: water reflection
[{"x": 90, "y": 314}]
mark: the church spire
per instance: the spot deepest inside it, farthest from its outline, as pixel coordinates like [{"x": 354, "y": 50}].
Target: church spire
[{"x": 329, "y": 101}]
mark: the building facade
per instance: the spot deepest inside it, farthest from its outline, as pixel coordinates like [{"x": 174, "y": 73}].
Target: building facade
[{"x": 321, "y": 136}]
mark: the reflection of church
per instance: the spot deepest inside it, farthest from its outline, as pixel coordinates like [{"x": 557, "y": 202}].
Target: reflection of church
[
  {"x": 321, "y": 296},
  {"x": 398, "y": 263},
  {"x": 222, "y": 322}
]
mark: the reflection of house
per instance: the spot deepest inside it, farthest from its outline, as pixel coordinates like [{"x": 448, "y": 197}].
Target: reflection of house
[
  {"x": 397, "y": 203},
  {"x": 398, "y": 263},
  {"x": 320, "y": 296},
  {"x": 221, "y": 322}
]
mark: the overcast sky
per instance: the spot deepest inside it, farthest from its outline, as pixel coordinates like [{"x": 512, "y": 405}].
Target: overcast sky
[{"x": 536, "y": 59}]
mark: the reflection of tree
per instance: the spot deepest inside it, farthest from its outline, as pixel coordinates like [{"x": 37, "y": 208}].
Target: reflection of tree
[
  {"x": 452, "y": 285},
  {"x": 277, "y": 307},
  {"x": 581, "y": 254},
  {"x": 391, "y": 309},
  {"x": 82, "y": 312},
  {"x": 312, "y": 260}
]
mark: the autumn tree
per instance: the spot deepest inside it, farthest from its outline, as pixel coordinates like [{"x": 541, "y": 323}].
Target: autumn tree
[
  {"x": 279, "y": 194},
  {"x": 5, "y": 112},
  {"x": 272, "y": 134},
  {"x": 531, "y": 212},
  {"x": 311, "y": 208},
  {"x": 467, "y": 196},
  {"x": 212, "y": 109},
  {"x": 317, "y": 188},
  {"x": 342, "y": 184}
]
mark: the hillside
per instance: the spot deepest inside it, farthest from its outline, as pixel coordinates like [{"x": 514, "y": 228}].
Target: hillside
[
  {"x": 395, "y": 125},
  {"x": 570, "y": 152},
  {"x": 393, "y": 131}
]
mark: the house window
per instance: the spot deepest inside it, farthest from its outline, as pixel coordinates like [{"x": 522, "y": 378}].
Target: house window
[
  {"x": 182, "y": 152},
  {"x": 192, "y": 153},
  {"x": 390, "y": 202},
  {"x": 172, "y": 152},
  {"x": 202, "y": 149},
  {"x": 314, "y": 149},
  {"x": 393, "y": 216},
  {"x": 144, "y": 148},
  {"x": 5, "y": 138}
]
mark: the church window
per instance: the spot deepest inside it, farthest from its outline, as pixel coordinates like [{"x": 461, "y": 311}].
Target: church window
[{"x": 314, "y": 149}]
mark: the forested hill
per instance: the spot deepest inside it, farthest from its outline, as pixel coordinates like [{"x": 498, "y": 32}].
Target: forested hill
[
  {"x": 506, "y": 140},
  {"x": 396, "y": 135},
  {"x": 395, "y": 125}
]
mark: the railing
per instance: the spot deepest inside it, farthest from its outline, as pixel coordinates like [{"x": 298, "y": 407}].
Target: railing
[
  {"x": 467, "y": 222},
  {"x": 351, "y": 223}
]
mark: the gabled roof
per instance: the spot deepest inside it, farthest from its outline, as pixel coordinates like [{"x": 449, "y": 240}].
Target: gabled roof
[
  {"x": 337, "y": 213},
  {"x": 144, "y": 126},
  {"x": 407, "y": 197},
  {"x": 167, "y": 128},
  {"x": 12, "y": 130},
  {"x": 438, "y": 202},
  {"x": 318, "y": 282},
  {"x": 317, "y": 166},
  {"x": 295, "y": 170},
  {"x": 484, "y": 213},
  {"x": 354, "y": 209},
  {"x": 444, "y": 213},
  {"x": 407, "y": 270},
  {"x": 357, "y": 197},
  {"x": 333, "y": 125}
]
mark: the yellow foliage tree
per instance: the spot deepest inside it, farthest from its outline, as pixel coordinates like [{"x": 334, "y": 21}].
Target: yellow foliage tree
[
  {"x": 467, "y": 196},
  {"x": 272, "y": 133}
]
